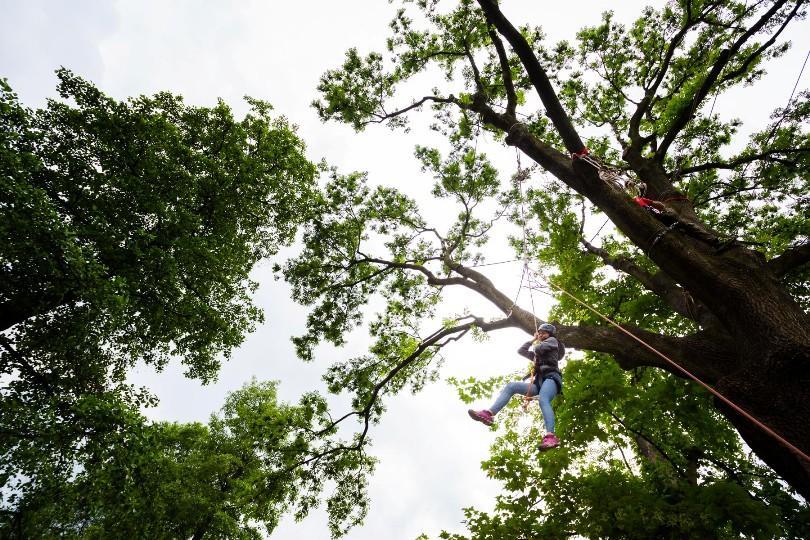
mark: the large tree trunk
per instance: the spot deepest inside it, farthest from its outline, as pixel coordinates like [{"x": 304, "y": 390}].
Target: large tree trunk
[{"x": 770, "y": 334}]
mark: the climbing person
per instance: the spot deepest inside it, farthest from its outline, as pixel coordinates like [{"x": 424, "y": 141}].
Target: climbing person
[{"x": 545, "y": 378}]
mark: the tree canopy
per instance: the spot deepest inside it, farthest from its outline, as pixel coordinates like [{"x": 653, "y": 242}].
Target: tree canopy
[
  {"x": 716, "y": 280},
  {"x": 129, "y": 232},
  {"x": 232, "y": 478}
]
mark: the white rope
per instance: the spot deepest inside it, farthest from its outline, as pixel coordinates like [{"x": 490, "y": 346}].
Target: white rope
[
  {"x": 520, "y": 176},
  {"x": 615, "y": 178},
  {"x": 520, "y": 286}
]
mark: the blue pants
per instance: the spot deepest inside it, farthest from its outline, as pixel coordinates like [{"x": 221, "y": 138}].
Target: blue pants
[{"x": 548, "y": 391}]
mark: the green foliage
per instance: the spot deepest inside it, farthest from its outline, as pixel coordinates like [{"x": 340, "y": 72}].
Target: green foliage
[
  {"x": 139, "y": 222},
  {"x": 334, "y": 272},
  {"x": 355, "y": 90},
  {"x": 344, "y": 215},
  {"x": 228, "y": 479},
  {"x": 128, "y": 234},
  {"x": 472, "y": 389},
  {"x": 644, "y": 455}
]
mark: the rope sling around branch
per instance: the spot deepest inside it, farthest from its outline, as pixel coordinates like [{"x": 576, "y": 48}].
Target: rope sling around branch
[{"x": 683, "y": 370}]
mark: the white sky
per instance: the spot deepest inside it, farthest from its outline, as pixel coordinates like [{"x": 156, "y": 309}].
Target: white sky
[{"x": 429, "y": 450}]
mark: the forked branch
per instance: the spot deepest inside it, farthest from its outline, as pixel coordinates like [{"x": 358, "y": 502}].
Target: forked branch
[
  {"x": 537, "y": 75},
  {"x": 723, "y": 60}
]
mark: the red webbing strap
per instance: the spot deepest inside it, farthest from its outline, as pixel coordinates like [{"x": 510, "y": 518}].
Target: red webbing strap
[{"x": 581, "y": 153}]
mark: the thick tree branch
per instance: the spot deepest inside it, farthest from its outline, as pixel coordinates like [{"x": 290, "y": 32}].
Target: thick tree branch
[
  {"x": 596, "y": 338},
  {"x": 677, "y": 253},
  {"x": 607, "y": 339},
  {"x": 734, "y": 163},
  {"x": 537, "y": 75},
  {"x": 518, "y": 135},
  {"x": 432, "y": 278},
  {"x": 716, "y": 359},
  {"x": 790, "y": 259},
  {"x": 642, "y": 229},
  {"x": 482, "y": 285}
]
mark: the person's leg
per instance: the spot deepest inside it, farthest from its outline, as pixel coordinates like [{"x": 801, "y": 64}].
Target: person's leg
[
  {"x": 548, "y": 391},
  {"x": 510, "y": 390}
]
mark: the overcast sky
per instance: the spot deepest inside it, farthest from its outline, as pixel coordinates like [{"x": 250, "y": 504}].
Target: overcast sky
[{"x": 429, "y": 451}]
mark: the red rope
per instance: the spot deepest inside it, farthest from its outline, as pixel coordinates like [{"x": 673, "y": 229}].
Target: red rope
[{"x": 714, "y": 392}]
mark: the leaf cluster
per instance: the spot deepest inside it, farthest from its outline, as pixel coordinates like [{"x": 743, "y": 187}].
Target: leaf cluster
[{"x": 231, "y": 478}]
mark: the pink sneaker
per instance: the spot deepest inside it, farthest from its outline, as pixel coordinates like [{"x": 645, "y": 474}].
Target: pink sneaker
[
  {"x": 485, "y": 417},
  {"x": 549, "y": 441}
]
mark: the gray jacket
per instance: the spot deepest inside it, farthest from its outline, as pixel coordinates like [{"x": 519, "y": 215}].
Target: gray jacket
[{"x": 546, "y": 356}]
